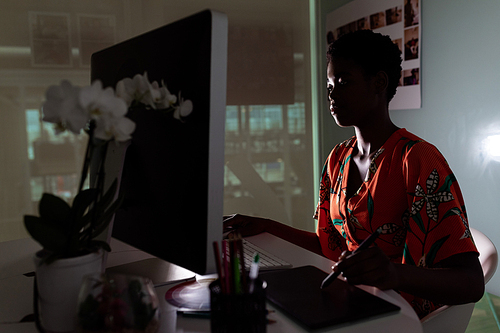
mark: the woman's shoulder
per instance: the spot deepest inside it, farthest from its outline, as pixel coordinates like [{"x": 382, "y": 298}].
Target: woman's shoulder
[
  {"x": 413, "y": 148},
  {"x": 412, "y": 144},
  {"x": 344, "y": 146}
]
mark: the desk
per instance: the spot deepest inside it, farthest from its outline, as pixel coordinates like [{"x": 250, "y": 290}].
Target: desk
[{"x": 16, "y": 291}]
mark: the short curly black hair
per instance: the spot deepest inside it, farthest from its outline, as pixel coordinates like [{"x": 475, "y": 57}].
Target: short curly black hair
[{"x": 374, "y": 52}]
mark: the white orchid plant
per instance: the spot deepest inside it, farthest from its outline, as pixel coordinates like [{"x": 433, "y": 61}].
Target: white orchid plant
[{"x": 66, "y": 231}]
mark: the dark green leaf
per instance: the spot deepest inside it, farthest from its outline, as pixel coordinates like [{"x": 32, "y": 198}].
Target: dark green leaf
[
  {"x": 418, "y": 220},
  {"x": 104, "y": 220},
  {"x": 407, "y": 256},
  {"x": 408, "y": 146},
  {"x": 83, "y": 222},
  {"x": 54, "y": 210},
  {"x": 431, "y": 256},
  {"x": 101, "y": 226},
  {"x": 81, "y": 205},
  {"x": 49, "y": 236},
  {"x": 370, "y": 206},
  {"x": 98, "y": 216},
  {"x": 83, "y": 201},
  {"x": 108, "y": 197},
  {"x": 452, "y": 212},
  {"x": 450, "y": 179}
]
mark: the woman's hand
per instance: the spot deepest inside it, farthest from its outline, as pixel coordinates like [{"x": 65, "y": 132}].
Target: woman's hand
[
  {"x": 249, "y": 226},
  {"x": 244, "y": 225},
  {"x": 369, "y": 267}
]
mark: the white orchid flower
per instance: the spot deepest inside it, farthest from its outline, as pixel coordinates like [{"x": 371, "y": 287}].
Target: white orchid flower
[
  {"x": 168, "y": 99},
  {"x": 153, "y": 96},
  {"x": 141, "y": 85},
  {"x": 62, "y": 108},
  {"x": 125, "y": 90},
  {"x": 108, "y": 111},
  {"x": 158, "y": 97},
  {"x": 184, "y": 109},
  {"x": 119, "y": 129},
  {"x": 146, "y": 93},
  {"x": 134, "y": 89},
  {"x": 140, "y": 90},
  {"x": 161, "y": 98}
]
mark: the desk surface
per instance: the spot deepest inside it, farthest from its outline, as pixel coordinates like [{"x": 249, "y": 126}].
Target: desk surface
[{"x": 16, "y": 291}]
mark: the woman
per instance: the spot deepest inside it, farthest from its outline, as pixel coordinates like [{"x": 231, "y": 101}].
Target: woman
[{"x": 385, "y": 177}]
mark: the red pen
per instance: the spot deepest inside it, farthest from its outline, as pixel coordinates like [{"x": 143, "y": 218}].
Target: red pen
[{"x": 218, "y": 265}]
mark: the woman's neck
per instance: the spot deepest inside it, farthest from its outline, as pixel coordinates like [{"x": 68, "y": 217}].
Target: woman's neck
[{"x": 370, "y": 139}]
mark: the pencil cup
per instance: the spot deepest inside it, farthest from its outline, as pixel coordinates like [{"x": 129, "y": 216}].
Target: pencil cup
[{"x": 238, "y": 312}]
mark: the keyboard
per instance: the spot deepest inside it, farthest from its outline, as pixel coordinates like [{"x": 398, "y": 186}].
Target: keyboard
[{"x": 267, "y": 261}]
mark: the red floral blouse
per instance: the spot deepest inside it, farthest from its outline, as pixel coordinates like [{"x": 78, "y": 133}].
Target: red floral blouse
[{"x": 410, "y": 192}]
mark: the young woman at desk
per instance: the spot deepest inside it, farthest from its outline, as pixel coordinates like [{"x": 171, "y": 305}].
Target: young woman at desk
[{"x": 384, "y": 177}]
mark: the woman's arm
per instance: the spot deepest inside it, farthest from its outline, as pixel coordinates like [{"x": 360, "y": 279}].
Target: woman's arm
[
  {"x": 458, "y": 280},
  {"x": 249, "y": 226}
]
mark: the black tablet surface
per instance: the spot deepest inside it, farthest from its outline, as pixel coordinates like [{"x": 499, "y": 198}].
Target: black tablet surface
[{"x": 297, "y": 293}]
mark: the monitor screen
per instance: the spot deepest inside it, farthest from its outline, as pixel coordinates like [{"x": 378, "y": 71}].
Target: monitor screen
[{"x": 172, "y": 174}]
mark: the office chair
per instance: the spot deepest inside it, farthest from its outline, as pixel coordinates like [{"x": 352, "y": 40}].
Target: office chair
[{"x": 455, "y": 318}]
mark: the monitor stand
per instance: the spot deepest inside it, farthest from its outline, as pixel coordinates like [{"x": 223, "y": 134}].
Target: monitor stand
[{"x": 158, "y": 271}]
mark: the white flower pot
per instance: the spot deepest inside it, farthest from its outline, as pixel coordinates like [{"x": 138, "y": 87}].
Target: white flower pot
[{"x": 58, "y": 286}]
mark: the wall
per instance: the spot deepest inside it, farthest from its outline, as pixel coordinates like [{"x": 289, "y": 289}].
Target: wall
[{"x": 460, "y": 101}]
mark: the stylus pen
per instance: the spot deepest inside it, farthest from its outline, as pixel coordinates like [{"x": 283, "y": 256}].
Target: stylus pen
[{"x": 364, "y": 245}]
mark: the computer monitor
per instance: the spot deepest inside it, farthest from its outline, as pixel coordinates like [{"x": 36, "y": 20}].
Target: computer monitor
[{"x": 172, "y": 176}]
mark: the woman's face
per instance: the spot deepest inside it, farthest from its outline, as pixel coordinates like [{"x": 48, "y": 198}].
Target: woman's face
[{"x": 351, "y": 93}]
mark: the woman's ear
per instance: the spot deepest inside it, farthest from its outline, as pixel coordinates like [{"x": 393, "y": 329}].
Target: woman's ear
[{"x": 381, "y": 81}]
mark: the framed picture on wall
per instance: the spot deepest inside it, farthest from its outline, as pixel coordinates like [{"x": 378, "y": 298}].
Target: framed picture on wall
[{"x": 50, "y": 39}]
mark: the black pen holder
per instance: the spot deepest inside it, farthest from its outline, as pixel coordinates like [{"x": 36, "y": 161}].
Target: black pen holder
[{"x": 244, "y": 313}]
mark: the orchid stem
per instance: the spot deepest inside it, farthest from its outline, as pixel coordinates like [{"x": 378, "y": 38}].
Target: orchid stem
[
  {"x": 88, "y": 153},
  {"x": 100, "y": 186}
]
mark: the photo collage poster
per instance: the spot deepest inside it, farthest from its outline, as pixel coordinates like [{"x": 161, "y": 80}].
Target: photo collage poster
[{"x": 399, "y": 19}]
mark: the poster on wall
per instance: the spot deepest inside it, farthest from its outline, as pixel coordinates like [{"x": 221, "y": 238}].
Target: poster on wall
[{"x": 399, "y": 19}]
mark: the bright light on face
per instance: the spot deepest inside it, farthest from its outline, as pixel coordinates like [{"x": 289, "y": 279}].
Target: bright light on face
[{"x": 491, "y": 146}]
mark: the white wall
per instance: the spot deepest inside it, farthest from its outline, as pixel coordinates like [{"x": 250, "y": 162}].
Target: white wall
[{"x": 460, "y": 77}]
